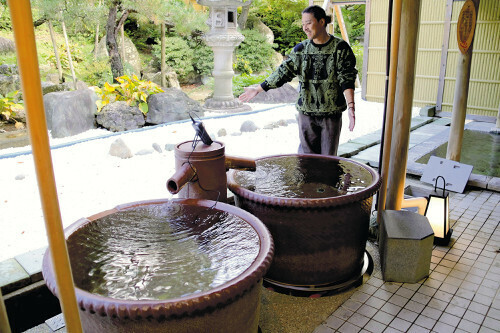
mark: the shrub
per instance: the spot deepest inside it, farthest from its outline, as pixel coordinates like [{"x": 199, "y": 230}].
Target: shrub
[
  {"x": 245, "y": 80},
  {"x": 97, "y": 74},
  {"x": 254, "y": 54},
  {"x": 357, "y": 48},
  {"x": 9, "y": 105},
  {"x": 178, "y": 55},
  {"x": 129, "y": 89},
  {"x": 203, "y": 56}
]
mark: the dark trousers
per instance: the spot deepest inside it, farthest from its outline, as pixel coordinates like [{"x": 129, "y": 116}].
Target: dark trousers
[{"x": 319, "y": 135}]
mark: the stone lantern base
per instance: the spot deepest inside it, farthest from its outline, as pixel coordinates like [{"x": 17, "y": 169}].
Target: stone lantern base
[{"x": 225, "y": 106}]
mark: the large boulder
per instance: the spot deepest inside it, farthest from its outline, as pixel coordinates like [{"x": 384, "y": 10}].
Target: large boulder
[
  {"x": 118, "y": 117},
  {"x": 9, "y": 83},
  {"x": 171, "y": 105},
  {"x": 70, "y": 112},
  {"x": 256, "y": 24},
  {"x": 170, "y": 76},
  {"x": 131, "y": 53},
  {"x": 7, "y": 45},
  {"x": 283, "y": 94}
]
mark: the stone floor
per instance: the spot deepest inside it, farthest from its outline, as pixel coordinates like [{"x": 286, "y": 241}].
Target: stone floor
[{"x": 461, "y": 294}]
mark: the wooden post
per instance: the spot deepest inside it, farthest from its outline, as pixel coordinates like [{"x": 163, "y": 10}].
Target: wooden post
[
  {"x": 22, "y": 23},
  {"x": 4, "y": 319},
  {"x": 461, "y": 94},
  {"x": 389, "y": 113},
  {"x": 56, "y": 51},
  {"x": 345, "y": 36},
  {"x": 162, "y": 63},
  {"x": 68, "y": 52},
  {"x": 410, "y": 13}
]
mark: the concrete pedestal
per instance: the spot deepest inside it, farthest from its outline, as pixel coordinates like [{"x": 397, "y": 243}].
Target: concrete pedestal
[{"x": 405, "y": 246}]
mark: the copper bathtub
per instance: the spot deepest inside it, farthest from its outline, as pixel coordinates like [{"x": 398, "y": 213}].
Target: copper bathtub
[
  {"x": 319, "y": 234},
  {"x": 230, "y": 305}
]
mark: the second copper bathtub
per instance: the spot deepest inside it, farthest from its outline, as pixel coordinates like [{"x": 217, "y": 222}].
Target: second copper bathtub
[{"x": 320, "y": 233}]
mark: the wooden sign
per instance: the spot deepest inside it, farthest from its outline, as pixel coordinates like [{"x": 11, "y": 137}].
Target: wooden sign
[{"x": 466, "y": 25}]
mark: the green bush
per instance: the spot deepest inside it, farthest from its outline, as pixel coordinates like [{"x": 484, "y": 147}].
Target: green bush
[
  {"x": 284, "y": 18},
  {"x": 357, "y": 48},
  {"x": 97, "y": 74},
  {"x": 178, "y": 55},
  {"x": 245, "y": 80},
  {"x": 203, "y": 56},
  {"x": 254, "y": 54}
]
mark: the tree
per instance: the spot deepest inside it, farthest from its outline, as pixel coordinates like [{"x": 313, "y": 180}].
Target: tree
[{"x": 284, "y": 18}]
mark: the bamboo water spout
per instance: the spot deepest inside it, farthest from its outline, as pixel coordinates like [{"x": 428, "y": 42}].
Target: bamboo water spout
[{"x": 201, "y": 171}]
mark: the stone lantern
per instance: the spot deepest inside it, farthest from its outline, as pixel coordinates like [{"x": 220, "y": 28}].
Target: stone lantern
[{"x": 223, "y": 38}]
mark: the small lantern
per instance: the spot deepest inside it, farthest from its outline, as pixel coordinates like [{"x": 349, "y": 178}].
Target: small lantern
[{"x": 437, "y": 212}]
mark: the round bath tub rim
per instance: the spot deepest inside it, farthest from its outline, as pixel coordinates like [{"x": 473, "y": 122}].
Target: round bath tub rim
[
  {"x": 307, "y": 202},
  {"x": 179, "y": 307}
]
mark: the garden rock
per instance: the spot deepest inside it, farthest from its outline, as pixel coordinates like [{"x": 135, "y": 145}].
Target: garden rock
[
  {"x": 53, "y": 78},
  {"x": 169, "y": 146},
  {"x": 118, "y": 117},
  {"x": 171, "y": 105},
  {"x": 221, "y": 132},
  {"x": 171, "y": 79},
  {"x": 8, "y": 70},
  {"x": 7, "y": 45},
  {"x": 9, "y": 83},
  {"x": 131, "y": 53},
  {"x": 284, "y": 94},
  {"x": 70, "y": 112},
  {"x": 145, "y": 152},
  {"x": 157, "y": 147},
  {"x": 49, "y": 87},
  {"x": 248, "y": 126},
  {"x": 80, "y": 85},
  {"x": 120, "y": 149}
]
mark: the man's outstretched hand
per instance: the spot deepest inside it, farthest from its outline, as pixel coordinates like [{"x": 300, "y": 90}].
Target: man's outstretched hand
[{"x": 250, "y": 92}]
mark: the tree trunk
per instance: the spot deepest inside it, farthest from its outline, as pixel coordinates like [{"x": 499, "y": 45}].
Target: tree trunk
[
  {"x": 68, "y": 51},
  {"x": 162, "y": 64},
  {"x": 122, "y": 31},
  {"x": 96, "y": 42},
  {"x": 242, "y": 19},
  {"x": 111, "y": 45},
  {"x": 56, "y": 52}
]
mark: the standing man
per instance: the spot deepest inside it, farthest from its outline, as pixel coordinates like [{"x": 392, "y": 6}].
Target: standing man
[{"x": 325, "y": 66}]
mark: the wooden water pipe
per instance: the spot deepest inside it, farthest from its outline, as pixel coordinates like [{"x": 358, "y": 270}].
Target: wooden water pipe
[
  {"x": 201, "y": 170},
  {"x": 24, "y": 35}
]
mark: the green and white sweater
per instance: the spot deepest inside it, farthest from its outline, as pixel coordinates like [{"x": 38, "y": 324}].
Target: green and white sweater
[{"x": 324, "y": 72}]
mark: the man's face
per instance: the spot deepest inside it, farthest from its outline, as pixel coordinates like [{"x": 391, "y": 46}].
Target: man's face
[{"x": 311, "y": 26}]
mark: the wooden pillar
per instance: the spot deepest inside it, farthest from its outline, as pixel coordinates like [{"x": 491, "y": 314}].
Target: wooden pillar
[
  {"x": 389, "y": 112},
  {"x": 24, "y": 35},
  {"x": 410, "y": 14},
  {"x": 460, "y": 98}
]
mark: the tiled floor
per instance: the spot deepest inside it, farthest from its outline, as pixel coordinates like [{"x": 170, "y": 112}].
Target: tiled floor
[{"x": 461, "y": 294}]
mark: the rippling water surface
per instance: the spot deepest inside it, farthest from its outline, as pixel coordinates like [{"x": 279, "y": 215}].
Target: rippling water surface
[
  {"x": 295, "y": 177},
  {"x": 161, "y": 251}
]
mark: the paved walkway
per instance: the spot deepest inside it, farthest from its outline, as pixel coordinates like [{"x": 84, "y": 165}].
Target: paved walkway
[{"x": 461, "y": 294}]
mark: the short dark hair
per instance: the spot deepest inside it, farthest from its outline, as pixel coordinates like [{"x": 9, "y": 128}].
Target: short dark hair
[{"x": 319, "y": 13}]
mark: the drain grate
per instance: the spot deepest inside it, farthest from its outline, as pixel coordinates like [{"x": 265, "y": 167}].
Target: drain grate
[{"x": 56, "y": 322}]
